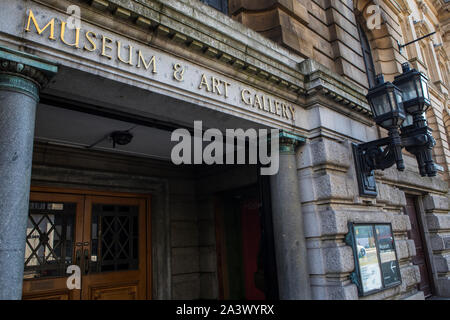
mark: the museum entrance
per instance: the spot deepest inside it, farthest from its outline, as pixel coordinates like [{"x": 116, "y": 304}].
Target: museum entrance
[
  {"x": 102, "y": 236},
  {"x": 245, "y": 255}
]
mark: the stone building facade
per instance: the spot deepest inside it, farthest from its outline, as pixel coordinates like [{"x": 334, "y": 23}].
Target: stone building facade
[{"x": 151, "y": 66}]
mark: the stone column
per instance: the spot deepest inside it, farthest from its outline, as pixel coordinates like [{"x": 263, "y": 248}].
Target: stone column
[
  {"x": 290, "y": 244},
  {"x": 21, "y": 77}
]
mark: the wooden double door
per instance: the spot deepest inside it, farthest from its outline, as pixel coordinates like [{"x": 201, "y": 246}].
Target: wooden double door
[{"x": 104, "y": 238}]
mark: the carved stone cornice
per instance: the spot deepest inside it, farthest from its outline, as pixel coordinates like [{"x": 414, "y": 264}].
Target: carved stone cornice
[{"x": 205, "y": 31}]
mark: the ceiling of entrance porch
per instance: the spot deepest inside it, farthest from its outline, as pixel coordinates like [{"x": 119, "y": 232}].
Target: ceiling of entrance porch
[
  {"x": 61, "y": 125},
  {"x": 66, "y": 127}
]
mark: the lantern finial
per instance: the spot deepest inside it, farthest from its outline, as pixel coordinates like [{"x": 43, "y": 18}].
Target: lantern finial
[{"x": 406, "y": 67}]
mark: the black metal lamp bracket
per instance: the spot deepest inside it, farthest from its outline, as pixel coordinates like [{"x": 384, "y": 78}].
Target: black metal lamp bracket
[{"x": 382, "y": 154}]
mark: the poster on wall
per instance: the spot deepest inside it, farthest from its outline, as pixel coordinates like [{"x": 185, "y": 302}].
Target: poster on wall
[
  {"x": 389, "y": 265},
  {"x": 371, "y": 278},
  {"x": 375, "y": 256}
]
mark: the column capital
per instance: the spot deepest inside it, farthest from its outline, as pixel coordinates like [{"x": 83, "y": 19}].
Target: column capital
[
  {"x": 23, "y": 72},
  {"x": 289, "y": 141}
]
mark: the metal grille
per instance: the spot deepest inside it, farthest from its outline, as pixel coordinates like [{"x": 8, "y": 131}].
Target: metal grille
[
  {"x": 114, "y": 238},
  {"x": 49, "y": 242}
]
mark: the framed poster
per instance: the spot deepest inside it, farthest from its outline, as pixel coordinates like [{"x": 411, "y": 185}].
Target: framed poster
[{"x": 376, "y": 265}]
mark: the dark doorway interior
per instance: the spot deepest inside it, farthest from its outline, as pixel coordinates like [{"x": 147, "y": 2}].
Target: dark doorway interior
[
  {"x": 417, "y": 235},
  {"x": 246, "y": 260}
]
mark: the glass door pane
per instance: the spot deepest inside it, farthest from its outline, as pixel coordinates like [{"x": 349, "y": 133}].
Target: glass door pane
[
  {"x": 114, "y": 238},
  {"x": 50, "y": 239}
]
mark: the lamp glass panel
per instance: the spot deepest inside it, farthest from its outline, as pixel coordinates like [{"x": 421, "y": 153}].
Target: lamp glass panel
[
  {"x": 425, "y": 88},
  {"x": 409, "y": 90},
  {"x": 399, "y": 96},
  {"x": 419, "y": 86},
  {"x": 387, "y": 123},
  {"x": 393, "y": 100},
  {"x": 408, "y": 121},
  {"x": 380, "y": 105}
]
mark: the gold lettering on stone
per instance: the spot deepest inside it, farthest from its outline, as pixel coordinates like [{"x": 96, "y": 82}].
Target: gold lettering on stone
[
  {"x": 204, "y": 82},
  {"x": 119, "y": 56},
  {"x": 258, "y": 102},
  {"x": 106, "y": 46},
  {"x": 76, "y": 44},
  {"x": 245, "y": 99},
  {"x": 91, "y": 41},
  {"x": 152, "y": 62},
  {"x": 178, "y": 72},
  {"x": 50, "y": 24}
]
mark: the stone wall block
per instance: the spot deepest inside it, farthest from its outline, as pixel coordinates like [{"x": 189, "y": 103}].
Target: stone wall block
[
  {"x": 329, "y": 152},
  {"x": 186, "y": 287},
  {"x": 184, "y": 234},
  {"x": 410, "y": 276},
  {"x": 336, "y": 186},
  {"x": 208, "y": 259},
  {"x": 208, "y": 286},
  {"x": 438, "y": 221},
  {"x": 412, "y": 248},
  {"x": 389, "y": 195},
  {"x": 185, "y": 260},
  {"x": 437, "y": 242},
  {"x": 343, "y": 292},
  {"x": 207, "y": 233},
  {"x": 402, "y": 249},
  {"x": 435, "y": 202},
  {"x": 401, "y": 222},
  {"x": 442, "y": 263},
  {"x": 333, "y": 222},
  {"x": 339, "y": 259}
]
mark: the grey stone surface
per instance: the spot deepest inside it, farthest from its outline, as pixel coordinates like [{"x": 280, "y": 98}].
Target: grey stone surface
[
  {"x": 416, "y": 296},
  {"x": 185, "y": 260},
  {"x": 326, "y": 152},
  {"x": 184, "y": 234},
  {"x": 17, "y": 118},
  {"x": 344, "y": 292},
  {"x": 209, "y": 286},
  {"x": 339, "y": 259},
  {"x": 402, "y": 249},
  {"x": 290, "y": 246},
  {"x": 207, "y": 233},
  {"x": 208, "y": 259},
  {"x": 410, "y": 276},
  {"x": 186, "y": 287},
  {"x": 442, "y": 263},
  {"x": 435, "y": 202},
  {"x": 443, "y": 287},
  {"x": 438, "y": 221}
]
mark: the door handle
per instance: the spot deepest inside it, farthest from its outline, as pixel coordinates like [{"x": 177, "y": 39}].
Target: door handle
[
  {"x": 86, "y": 261},
  {"x": 78, "y": 257}
]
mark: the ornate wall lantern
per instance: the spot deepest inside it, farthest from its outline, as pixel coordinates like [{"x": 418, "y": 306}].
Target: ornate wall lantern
[{"x": 391, "y": 104}]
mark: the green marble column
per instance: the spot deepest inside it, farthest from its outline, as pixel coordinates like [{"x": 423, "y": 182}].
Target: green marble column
[{"x": 21, "y": 77}]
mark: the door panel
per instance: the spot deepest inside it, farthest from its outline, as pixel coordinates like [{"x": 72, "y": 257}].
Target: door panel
[
  {"x": 114, "y": 262},
  {"x": 104, "y": 236},
  {"x": 420, "y": 258},
  {"x": 53, "y": 230}
]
